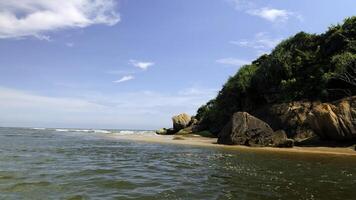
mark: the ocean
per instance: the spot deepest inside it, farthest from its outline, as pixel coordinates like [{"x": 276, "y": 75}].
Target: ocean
[{"x": 37, "y": 163}]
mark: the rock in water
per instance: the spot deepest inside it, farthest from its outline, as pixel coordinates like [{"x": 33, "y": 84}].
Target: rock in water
[
  {"x": 335, "y": 121},
  {"x": 165, "y": 131},
  {"x": 162, "y": 131},
  {"x": 245, "y": 129},
  {"x": 181, "y": 121}
]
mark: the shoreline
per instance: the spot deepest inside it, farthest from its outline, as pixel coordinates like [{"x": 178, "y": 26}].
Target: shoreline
[{"x": 196, "y": 140}]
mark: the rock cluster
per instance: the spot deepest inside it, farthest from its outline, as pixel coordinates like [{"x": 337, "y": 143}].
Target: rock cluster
[
  {"x": 302, "y": 121},
  {"x": 182, "y": 124}
]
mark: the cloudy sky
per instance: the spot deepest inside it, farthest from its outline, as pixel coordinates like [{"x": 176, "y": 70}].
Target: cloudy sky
[{"x": 135, "y": 63}]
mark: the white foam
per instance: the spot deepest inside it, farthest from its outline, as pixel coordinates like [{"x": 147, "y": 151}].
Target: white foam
[
  {"x": 62, "y": 130},
  {"x": 83, "y": 130},
  {"x": 101, "y": 131},
  {"x": 127, "y": 132},
  {"x": 39, "y": 128}
]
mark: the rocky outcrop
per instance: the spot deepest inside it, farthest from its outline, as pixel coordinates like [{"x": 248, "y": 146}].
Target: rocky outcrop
[
  {"x": 334, "y": 121},
  {"x": 166, "y": 131},
  {"x": 181, "y": 121},
  {"x": 182, "y": 124},
  {"x": 192, "y": 127},
  {"x": 290, "y": 117},
  {"x": 245, "y": 129}
]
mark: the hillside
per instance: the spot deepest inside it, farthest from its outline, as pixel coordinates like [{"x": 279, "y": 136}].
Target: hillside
[{"x": 307, "y": 67}]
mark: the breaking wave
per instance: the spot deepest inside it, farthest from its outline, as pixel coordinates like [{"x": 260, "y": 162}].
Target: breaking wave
[{"x": 103, "y": 131}]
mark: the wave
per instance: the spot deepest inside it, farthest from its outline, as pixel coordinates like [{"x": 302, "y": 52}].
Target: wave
[
  {"x": 83, "y": 130},
  {"x": 101, "y": 131},
  {"x": 61, "y": 130},
  {"x": 129, "y": 132},
  {"x": 39, "y": 128}
]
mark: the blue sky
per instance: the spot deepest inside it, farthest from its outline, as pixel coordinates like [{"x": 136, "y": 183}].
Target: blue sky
[{"x": 135, "y": 63}]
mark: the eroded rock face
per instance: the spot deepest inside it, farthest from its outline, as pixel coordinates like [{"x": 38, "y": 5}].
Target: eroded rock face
[
  {"x": 290, "y": 117},
  {"x": 334, "y": 121},
  {"x": 181, "y": 121}
]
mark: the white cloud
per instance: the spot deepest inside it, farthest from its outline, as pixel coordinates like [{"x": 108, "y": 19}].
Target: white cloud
[
  {"x": 124, "y": 78},
  {"x": 35, "y": 18},
  {"x": 141, "y": 109},
  {"x": 271, "y": 14},
  {"x": 141, "y": 64},
  {"x": 261, "y": 42},
  {"x": 232, "y": 61}
]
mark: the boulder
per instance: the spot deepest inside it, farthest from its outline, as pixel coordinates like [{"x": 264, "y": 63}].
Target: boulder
[
  {"x": 162, "y": 131},
  {"x": 245, "y": 129},
  {"x": 181, "y": 121},
  {"x": 334, "y": 121},
  {"x": 165, "y": 131}
]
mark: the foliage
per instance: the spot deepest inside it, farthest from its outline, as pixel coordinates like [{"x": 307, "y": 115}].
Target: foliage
[{"x": 302, "y": 67}]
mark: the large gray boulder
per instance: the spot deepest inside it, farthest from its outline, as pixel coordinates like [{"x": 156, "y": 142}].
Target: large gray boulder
[
  {"x": 181, "y": 121},
  {"x": 245, "y": 129}
]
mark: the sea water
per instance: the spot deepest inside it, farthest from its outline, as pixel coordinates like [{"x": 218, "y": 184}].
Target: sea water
[{"x": 38, "y": 163}]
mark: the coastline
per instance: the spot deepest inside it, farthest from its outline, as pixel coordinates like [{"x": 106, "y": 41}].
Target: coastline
[{"x": 196, "y": 140}]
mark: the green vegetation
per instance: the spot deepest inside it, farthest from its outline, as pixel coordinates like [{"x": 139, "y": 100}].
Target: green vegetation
[{"x": 303, "y": 67}]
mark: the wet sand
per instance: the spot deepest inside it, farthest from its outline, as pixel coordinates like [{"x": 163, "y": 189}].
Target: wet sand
[{"x": 196, "y": 140}]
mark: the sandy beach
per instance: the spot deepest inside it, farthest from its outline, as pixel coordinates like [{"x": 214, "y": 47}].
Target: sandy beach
[{"x": 197, "y": 140}]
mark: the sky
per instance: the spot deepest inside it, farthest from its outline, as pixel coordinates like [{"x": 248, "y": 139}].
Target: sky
[{"x": 133, "y": 64}]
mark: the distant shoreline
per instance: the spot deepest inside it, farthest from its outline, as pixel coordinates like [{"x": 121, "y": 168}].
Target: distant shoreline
[{"x": 212, "y": 142}]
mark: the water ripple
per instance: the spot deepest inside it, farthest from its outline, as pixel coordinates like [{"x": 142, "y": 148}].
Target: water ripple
[{"x": 49, "y": 164}]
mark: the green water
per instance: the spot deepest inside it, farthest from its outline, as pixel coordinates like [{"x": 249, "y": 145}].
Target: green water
[{"x": 49, "y": 164}]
